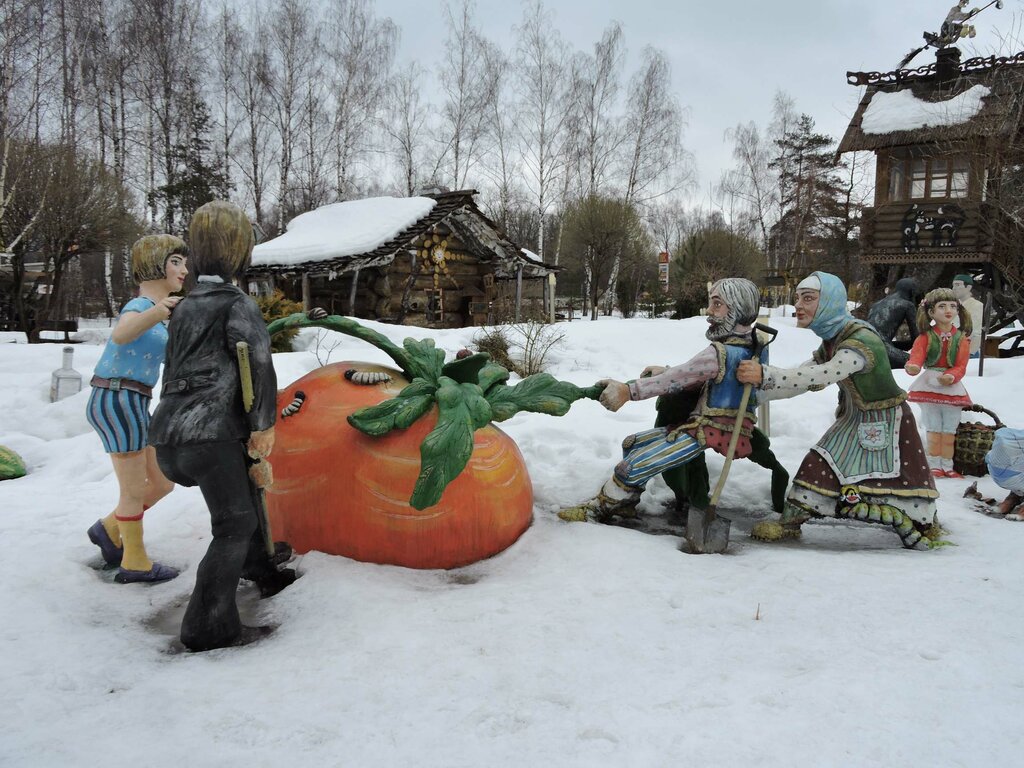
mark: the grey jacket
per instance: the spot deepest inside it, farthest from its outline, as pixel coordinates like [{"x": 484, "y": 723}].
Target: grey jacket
[{"x": 201, "y": 401}]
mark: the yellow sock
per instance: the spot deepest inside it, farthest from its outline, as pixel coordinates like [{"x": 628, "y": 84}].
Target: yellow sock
[
  {"x": 113, "y": 530},
  {"x": 135, "y": 557}
]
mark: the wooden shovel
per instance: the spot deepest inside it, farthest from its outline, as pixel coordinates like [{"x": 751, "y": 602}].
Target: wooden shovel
[{"x": 706, "y": 532}]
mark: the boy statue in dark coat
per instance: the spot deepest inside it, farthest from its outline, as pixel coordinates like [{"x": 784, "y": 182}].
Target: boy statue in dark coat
[{"x": 203, "y": 433}]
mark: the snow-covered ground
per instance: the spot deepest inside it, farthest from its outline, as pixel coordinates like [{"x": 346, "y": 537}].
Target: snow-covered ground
[{"x": 581, "y": 645}]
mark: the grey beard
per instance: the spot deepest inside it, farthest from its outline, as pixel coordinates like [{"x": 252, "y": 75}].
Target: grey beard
[{"x": 719, "y": 331}]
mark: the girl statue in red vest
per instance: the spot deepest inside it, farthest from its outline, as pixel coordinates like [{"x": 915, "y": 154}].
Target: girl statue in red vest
[{"x": 940, "y": 355}]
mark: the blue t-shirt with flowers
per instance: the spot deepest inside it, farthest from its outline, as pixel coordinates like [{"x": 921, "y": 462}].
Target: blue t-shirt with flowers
[{"x": 139, "y": 359}]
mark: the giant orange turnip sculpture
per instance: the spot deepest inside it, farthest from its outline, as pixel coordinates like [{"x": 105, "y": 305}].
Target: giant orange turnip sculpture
[{"x": 404, "y": 466}]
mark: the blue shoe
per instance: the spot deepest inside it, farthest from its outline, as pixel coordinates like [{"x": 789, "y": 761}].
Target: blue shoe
[
  {"x": 111, "y": 553},
  {"x": 155, "y": 574}
]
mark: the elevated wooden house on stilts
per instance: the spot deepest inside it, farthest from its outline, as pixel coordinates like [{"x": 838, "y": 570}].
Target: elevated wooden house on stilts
[
  {"x": 433, "y": 260},
  {"x": 949, "y": 187}
]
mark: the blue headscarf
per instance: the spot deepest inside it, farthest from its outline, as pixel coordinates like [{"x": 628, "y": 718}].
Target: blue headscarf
[{"x": 832, "y": 315}]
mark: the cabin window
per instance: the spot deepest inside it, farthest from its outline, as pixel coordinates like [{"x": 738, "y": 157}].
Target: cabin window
[
  {"x": 958, "y": 178},
  {"x": 931, "y": 178},
  {"x": 897, "y": 181},
  {"x": 918, "y": 179}
]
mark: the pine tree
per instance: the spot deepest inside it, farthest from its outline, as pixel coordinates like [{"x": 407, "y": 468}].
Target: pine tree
[
  {"x": 814, "y": 229},
  {"x": 198, "y": 175}
]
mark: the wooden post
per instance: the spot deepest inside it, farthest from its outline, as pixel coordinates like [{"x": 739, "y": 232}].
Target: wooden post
[
  {"x": 764, "y": 420},
  {"x": 519, "y": 292},
  {"x": 352, "y": 294},
  {"x": 551, "y": 297},
  {"x": 307, "y": 298},
  {"x": 985, "y": 314}
]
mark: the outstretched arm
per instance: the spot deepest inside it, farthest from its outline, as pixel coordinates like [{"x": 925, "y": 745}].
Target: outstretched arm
[
  {"x": 700, "y": 368},
  {"x": 778, "y": 383}
]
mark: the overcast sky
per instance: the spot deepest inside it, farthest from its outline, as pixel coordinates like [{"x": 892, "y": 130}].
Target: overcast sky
[{"x": 729, "y": 58}]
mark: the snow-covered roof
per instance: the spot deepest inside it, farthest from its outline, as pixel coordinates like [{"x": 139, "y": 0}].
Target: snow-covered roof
[
  {"x": 531, "y": 255},
  {"x": 984, "y": 102},
  {"x": 903, "y": 111},
  {"x": 341, "y": 229},
  {"x": 357, "y": 234}
]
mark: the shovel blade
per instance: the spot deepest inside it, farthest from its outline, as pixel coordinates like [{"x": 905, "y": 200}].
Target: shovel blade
[{"x": 706, "y": 532}]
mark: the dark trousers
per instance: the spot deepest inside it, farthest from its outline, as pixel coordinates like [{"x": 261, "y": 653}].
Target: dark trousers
[
  {"x": 221, "y": 472},
  {"x": 689, "y": 482}
]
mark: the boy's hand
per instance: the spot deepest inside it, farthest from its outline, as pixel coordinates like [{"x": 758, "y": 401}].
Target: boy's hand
[{"x": 260, "y": 444}]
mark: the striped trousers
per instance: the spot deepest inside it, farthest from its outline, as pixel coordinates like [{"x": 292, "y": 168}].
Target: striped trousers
[{"x": 650, "y": 453}]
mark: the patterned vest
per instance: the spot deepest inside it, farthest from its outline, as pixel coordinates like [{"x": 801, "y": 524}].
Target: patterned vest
[
  {"x": 713, "y": 421},
  {"x": 873, "y": 388}
]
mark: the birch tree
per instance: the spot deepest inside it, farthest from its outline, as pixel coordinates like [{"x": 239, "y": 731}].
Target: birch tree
[
  {"x": 405, "y": 123},
  {"x": 362, "y": 49},
  {"x": 469, "y": 81},
  {"x": 541, "y": 73},
  {"x": 292, "y": 56},
  {"x": 595, "y": 92},
  {"x": 252, "y": 94},
  {"x": 164, "y": 33},
  {"x": 20, "y": 98},
  {"x": 227, "y": 40},
  {"x": 656, "y": 163}
]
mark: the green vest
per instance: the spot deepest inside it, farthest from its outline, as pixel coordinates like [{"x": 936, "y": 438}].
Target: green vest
[
  {"x": 935, "y": 349},
  {"x": 873, "y": 388}
]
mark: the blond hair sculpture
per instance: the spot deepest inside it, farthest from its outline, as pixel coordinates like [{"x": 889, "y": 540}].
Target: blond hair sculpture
[
  {"x": 221, "y": 239},
  {"x": 150, "y": 255}
]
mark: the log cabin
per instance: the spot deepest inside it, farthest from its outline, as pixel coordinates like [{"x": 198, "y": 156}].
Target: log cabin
[{"x": 433, "y": 260}]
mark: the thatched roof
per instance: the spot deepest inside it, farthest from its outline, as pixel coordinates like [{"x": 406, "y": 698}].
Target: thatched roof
[
  {"x": 908, "y": 107},
  {"x": 343, "y": 237}
]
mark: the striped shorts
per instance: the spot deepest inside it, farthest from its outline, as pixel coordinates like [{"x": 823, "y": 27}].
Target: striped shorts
[
  {"x": 121, "y": 419},
  {"x": 650, "y": 453}
]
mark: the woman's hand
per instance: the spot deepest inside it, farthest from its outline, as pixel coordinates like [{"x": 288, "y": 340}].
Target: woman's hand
[
  {"x": 912, "y": 369},
  {"x": 165, "y": 306},
  {"x": 946, "y": 379},
  {"x": 749, "y": 372}
]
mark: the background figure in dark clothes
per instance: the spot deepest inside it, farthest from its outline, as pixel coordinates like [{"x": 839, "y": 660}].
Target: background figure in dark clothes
[
  {"x": 889, "y": 313},
  {"x": 203, "y": 434}
]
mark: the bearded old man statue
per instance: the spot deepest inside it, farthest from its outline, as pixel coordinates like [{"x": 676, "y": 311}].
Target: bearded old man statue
[{"x": 733, "y": 305}]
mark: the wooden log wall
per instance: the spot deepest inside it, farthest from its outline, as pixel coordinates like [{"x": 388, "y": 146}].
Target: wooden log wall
[
  {"x": 882, "y": 227},
  {"x": 461, "y": 288}
]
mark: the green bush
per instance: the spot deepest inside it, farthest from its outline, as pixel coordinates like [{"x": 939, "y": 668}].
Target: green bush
[{"x": 274, "y": 307}]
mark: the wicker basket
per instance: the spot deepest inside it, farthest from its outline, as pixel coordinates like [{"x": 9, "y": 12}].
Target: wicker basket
[{"x": 973, "y": 442}]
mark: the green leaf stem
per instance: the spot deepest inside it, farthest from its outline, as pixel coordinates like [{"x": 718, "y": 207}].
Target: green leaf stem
[
  {"x": 469, "y": 393},
  {"x": 446, "y": 450},
  {"x": 467, "y": 370}
]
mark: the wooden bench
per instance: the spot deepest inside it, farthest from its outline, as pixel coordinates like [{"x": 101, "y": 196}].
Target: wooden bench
[{"x": 67, "y": 327}]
